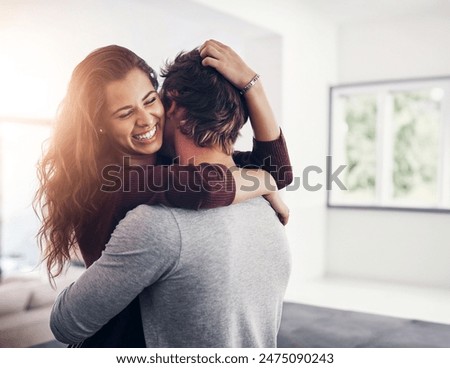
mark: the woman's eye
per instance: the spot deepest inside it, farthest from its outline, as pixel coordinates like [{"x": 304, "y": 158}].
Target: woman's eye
[
  {"x": 150, "y": 101},
  {"x": 126, "y": 114}
]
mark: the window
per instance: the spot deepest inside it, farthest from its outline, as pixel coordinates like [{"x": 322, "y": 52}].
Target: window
[
  {"x": 20, "y": 149},
  {"x": 394, "y": 138}
]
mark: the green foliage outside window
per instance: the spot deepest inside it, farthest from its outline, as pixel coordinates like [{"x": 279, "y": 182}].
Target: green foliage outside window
[
  {"x": 360, "y": 117},
  {"x": 416, "y": 123}
]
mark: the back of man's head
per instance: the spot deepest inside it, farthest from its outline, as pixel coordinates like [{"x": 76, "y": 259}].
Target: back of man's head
[{"x": 215, "y": 110}]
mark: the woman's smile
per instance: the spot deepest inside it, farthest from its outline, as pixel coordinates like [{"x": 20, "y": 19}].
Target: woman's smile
[{"x": 146, "y": 136}]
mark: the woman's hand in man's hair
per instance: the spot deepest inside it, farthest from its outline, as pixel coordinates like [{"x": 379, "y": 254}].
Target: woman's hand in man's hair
[{"x": 227, "y": 62}]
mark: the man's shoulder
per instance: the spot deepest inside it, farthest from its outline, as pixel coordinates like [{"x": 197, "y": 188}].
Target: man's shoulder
[
  {"x": 258, "y": 201},
  {"x": 252, "y": 212},
  {"x": 149, "y": 218},
  {"x": 161, "y": 216},
  {"x": 148, "y": 210},
  {"x": 253, "y": 204}
]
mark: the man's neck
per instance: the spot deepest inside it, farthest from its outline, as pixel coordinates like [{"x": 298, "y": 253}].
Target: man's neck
[{"x": 190, "y": 154}]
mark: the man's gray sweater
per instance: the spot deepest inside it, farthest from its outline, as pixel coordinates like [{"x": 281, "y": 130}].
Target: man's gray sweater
[{"x": 209, "y": 278}]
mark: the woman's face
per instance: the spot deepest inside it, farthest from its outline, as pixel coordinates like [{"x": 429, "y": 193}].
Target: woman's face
[{"x": 133, "y": 119}]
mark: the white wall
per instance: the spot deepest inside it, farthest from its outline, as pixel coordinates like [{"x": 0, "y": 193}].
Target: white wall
[
  {"x": 399, "y": 48},
  {"x": 43, "y": 41},
  {"x": 392, "y": 246}
]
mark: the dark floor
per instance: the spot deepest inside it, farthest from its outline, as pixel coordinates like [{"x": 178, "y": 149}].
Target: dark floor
[
  {"x": 50, "y": 344},
  {"x": 308, "y": 326}
]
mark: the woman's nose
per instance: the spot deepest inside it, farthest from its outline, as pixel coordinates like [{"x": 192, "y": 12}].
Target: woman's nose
[{"x": 143, "y": 118}]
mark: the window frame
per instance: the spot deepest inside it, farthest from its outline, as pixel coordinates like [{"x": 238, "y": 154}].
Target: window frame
[{"x": 384, "y": 148}]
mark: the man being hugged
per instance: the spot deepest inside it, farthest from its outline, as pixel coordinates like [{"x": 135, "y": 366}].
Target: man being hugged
[{"x": 207, "y": 278}]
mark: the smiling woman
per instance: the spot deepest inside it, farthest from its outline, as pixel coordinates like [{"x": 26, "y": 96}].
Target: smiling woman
[
  {"x": 104, "y": 107},
  {"x": 107, "y": 105},
  {"x": 134, "y": 128}
]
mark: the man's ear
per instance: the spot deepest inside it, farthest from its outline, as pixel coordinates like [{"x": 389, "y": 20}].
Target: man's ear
[
  {"x": 176, "y": 112},
  {"x": 171, "y": 110}
]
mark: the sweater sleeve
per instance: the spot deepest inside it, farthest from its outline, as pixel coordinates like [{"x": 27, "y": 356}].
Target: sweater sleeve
[
  {"x": 271, "y": 156},
  {"x": 140, "y": 252},
  {"x": 185, "y": 186}
]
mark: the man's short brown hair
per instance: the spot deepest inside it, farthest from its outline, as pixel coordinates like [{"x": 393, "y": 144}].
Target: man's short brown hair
[{"x": 215, "y": 110}]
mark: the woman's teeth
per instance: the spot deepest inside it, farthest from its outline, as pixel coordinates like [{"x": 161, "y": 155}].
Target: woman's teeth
[{"x": 149, "y": 135}]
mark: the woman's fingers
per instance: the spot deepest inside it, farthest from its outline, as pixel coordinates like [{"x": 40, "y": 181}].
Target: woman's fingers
[
  {"x": 210, "y": 61},
  {"x": 284, "y": 218},
  {"x": 219, "y": 43},
  {"x": 212, "y": 56},
  {"x": 213, "y": 51},
  {"x": 215, "y": 43}
]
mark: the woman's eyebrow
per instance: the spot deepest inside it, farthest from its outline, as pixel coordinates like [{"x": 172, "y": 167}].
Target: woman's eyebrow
[
  {"x": 130, "y": 106},
  {"x": 148, "y": 94}
]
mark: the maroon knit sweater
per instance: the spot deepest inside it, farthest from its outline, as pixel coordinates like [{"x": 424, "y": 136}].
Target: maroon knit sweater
[{"x": 194, "y": 187}]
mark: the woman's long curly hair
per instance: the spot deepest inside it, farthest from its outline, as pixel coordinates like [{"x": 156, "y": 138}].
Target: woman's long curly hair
[{"x": 70, "y": 169}]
